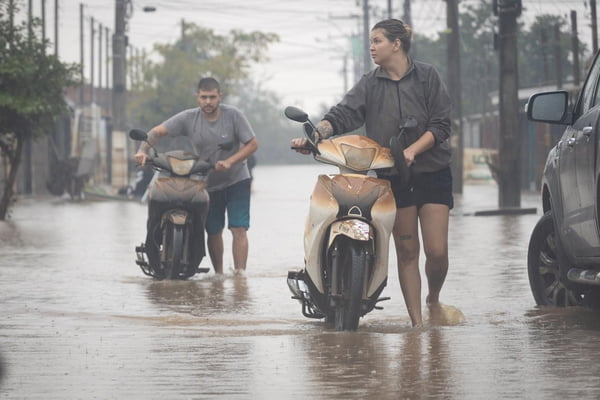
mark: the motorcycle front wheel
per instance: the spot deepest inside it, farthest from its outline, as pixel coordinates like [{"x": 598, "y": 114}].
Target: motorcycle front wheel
[
  {"x": 351, "y": 269},
  {"x": 173, "y": 248}
]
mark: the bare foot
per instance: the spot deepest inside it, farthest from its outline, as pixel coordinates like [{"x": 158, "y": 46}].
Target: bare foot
[{"x": 444, "y": 315}]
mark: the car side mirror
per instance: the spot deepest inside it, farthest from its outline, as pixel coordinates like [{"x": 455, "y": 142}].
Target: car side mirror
[{"x": 551, "y": 107}]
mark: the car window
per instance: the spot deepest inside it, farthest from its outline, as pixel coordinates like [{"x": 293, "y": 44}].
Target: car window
[{"x": 591, "y": 95}]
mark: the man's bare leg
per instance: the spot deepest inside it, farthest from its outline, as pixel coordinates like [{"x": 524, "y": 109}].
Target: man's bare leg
[
  {"x": 215, "y": 250},
  {"x": 239, "y": 248}
]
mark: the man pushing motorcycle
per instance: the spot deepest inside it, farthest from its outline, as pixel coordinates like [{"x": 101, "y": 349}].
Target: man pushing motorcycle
[{"x": 221, "y": 134}]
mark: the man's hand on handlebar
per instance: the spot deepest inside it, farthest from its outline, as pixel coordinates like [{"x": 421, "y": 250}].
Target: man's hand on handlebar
[{"x": 140, "y": 157}]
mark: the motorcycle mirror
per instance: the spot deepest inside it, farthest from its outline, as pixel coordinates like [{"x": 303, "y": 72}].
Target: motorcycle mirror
[
  {"x": 308, "y": 129},
  {"x": 296, "y": 114},
  {"x": 138, "y": 134}
]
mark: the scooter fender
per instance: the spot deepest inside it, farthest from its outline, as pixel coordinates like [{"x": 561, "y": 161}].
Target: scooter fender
[
  {"x": 323, "y": 221},
  {"x": 176, "y": 217}
]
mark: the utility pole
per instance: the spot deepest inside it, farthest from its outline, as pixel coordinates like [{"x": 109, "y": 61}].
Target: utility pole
[
  {"x": 544, "y": 40},
  {"x": 108, "y": 106},
  {"x": 100, "y": 57},
  {"x": 389, "y": 8},
  {"x": 81, "y": 53},
  {"x": 557, "y": 59},
  {"x": 454, "y": 89},
  {"x": 44, "y": 21},
  {"x": 407, "y": 13},
  {"x": 509, "y": 171},
  {"x": 594, "y": 27},
  {"x": 366, "y": 38},
  {"x": 56, "y": 28},
  {"x": 92, "y": 39},
  {"x": 29, "y": 20},
  {"x": 575, "y": 48},
  {"x": 119, "y": 93},
  {"x": 119, "y": 66},
  {"x": 11, "y": 17},
  {"x": 107, "y": 36}
]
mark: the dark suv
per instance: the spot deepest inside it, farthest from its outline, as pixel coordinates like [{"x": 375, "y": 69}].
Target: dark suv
[{"x": 564, "y": 249}]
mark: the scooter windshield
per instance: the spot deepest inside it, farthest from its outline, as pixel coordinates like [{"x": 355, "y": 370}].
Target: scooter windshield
[{"x": 355, "y": 152}]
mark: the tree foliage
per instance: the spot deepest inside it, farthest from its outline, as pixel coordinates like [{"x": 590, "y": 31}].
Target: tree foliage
[
  {"x": 479, "y": 59},
  {"x": 32, "y": 83},
  {"x": 169, "y": 85}
]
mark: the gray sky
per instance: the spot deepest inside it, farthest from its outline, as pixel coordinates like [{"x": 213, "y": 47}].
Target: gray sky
[{"x": 305, "y": 67}]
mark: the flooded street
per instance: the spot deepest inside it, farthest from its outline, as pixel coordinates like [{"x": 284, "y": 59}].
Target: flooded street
[{"x": 81, "y": 321}]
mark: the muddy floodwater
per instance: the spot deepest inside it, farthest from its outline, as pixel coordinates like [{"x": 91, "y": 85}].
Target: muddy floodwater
[{"x": 79, "y": 320}]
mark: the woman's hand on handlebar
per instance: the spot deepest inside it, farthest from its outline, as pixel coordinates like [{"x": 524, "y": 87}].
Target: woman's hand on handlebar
[
  {"x": 409, "y": 155},
  {"x": 301, "y": 145},
  {"x": 140, "y": 157}
]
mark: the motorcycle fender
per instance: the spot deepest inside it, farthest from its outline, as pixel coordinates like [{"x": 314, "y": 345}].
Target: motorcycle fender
[
  {"x": 177, "y": 217},
  {"x": 353, "y": 228}
]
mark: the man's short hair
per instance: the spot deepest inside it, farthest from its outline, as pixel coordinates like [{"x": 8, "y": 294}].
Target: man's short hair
[{"x": 208, "y": 84}]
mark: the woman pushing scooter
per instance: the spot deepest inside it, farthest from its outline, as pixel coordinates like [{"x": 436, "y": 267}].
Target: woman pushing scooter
[{"x": 401, "y": 88}]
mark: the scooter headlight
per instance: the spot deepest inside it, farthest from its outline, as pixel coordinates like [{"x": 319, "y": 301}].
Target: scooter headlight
[
  {"x": 181, "y": 167},
  {"x": 358, "y": 158}
]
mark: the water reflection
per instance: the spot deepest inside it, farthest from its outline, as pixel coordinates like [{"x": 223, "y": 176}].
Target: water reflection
[
  {"x": 211, "y": 295},
  {"x": 82, "y": 321},
  {"x": 409, "y": 365}
]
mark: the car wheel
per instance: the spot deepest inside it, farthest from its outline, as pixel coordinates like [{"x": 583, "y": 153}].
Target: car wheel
[{"x": 543, "y": 267}]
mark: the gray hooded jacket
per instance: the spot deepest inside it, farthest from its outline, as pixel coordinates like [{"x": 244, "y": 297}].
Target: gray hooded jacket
[{"x": 381, "y": 104}]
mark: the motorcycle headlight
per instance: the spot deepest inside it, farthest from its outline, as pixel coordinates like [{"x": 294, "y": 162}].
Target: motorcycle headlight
[
  {"x": 358, "y": 158},
  {"x": 181, "y": 167}
]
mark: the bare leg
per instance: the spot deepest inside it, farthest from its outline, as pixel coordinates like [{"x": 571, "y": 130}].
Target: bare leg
[
  {"x": 239, "y": 248},
  {"x": 434, "y": 228},
  {"x": 215, "y": 250},
  {"x": 406, "y": 239}
]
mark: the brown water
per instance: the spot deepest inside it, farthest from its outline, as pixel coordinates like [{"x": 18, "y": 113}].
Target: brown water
[{"x": 81, "y": 321}]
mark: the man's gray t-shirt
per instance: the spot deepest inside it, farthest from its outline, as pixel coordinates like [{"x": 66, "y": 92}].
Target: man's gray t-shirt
[{"x": 215, "y": 141}]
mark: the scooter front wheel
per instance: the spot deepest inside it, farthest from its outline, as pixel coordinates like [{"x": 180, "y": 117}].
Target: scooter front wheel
[
  {"x": 351, "y": 271},
  {"x": 174, "y": 251}
]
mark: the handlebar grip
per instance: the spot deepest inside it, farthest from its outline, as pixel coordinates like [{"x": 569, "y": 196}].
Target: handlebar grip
[{"x": 307, "y": 148}]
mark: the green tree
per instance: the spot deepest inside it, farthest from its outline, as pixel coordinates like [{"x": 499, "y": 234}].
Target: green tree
[
  {"x": 537, "y": 61},
  {"x": 31, "y": 94},
  {"x": 479, "y": 59},
  {"x": 273, "y": 130},
  {"x": 168, "y": 86}
]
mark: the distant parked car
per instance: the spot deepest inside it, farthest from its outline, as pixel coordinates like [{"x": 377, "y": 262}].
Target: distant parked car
[{"x": 563, "y": 260}]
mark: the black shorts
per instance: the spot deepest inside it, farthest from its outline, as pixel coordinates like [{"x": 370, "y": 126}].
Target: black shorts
[{"x": 424, "y": 188}]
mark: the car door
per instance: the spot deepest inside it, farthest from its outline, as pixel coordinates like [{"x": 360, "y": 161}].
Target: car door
[
  {"x": 584, "y": 237},
  {"x": 569, "y": 201}
]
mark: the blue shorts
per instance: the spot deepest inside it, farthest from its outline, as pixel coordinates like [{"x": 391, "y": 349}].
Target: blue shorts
[{"x": 234, "y": 199}]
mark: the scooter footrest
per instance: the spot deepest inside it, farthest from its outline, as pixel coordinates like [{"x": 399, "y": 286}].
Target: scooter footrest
[{"x": 203, "y": 270}]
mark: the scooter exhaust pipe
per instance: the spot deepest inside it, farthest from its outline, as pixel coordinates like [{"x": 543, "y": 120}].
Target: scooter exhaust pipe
[{"x": 585, "y": 276}]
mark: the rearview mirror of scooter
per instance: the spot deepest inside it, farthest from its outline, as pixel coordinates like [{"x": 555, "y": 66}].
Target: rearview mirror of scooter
[
  {"x": 296, "y": 114},
  {"x": 138, "y": 134}
]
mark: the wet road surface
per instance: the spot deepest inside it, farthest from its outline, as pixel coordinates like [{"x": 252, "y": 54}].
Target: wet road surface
[{"x": 81, "y": 321}]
